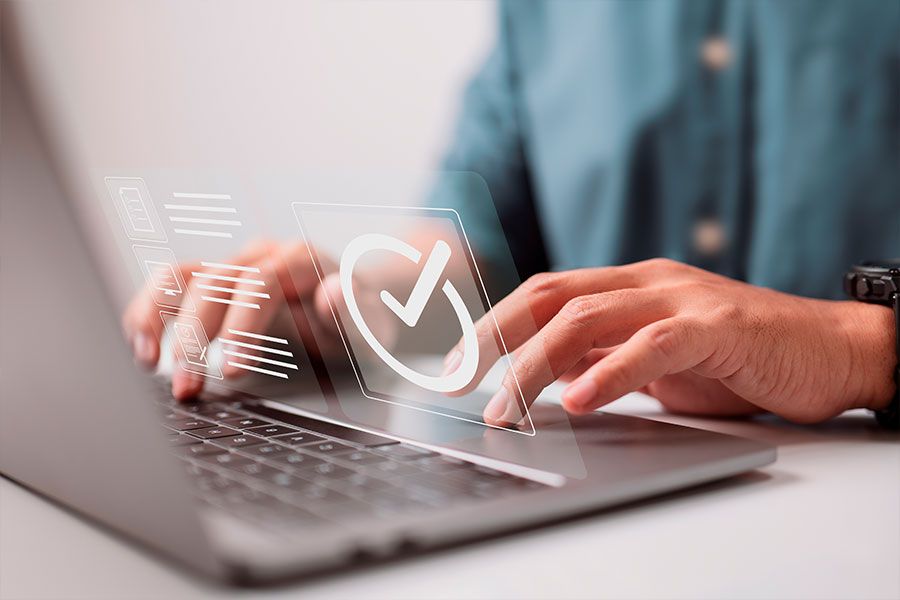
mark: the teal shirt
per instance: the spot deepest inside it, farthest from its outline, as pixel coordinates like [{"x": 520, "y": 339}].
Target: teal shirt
[{"x": 605, "y": 138}]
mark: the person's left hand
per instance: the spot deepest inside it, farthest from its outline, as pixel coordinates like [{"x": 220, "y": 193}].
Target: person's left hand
[{"x": 699, "y": 342}]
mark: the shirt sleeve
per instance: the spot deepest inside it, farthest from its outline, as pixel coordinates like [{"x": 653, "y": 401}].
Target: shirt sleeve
[{"x": 488, "y": 142}]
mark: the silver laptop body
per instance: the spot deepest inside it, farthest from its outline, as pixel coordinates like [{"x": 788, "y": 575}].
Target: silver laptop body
[{"x": 79, "y": 423}]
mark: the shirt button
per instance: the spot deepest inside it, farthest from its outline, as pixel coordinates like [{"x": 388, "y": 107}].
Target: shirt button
[
  {"x": 716, "y": 53},
  {"x": 709, "y": 237}
]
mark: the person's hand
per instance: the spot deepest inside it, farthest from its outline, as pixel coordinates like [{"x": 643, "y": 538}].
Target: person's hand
[
  {"x": 700, "y": 343},
  {"x": 289, "y": 277}
]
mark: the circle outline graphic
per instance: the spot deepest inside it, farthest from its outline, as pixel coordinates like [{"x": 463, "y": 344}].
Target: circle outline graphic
[{"x": 451, "y": 382}]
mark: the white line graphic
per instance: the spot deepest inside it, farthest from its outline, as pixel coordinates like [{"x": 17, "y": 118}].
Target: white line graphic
[
  {"x": 201, "y": 196},
  {"x": 215, "y": 209},
  {"x": 216, "y": 288},
  {"x": 255, "y": 347},
  {"x": 216, "y": 265},
  {"x": 230, "y": 346},
  {"x": 218, "y": 234},
  {"x": 268, "y": 361},
  {"x": 258, "y": 336},
  {"x": 257, "y": 369},
  {"x": 227, "y": 301},
  {"x": 203, "y": 275},
  {"x": 205, "y": 221}
]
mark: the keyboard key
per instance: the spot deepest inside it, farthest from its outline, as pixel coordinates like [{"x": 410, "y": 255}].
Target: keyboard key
[
  {"x": 327, "y": 448},
  {"x": 426, "y": 491},
  {"x": 362, "y": 457},
  {"x": 242, "y": 494},
  {"x": 211, "y": 433},
  {"x": 297, "y": 460},
  {"x": 393, "y": 502},
  {"x": 181, "y": 440},
  {"x": 330, "y": 429},
  {"x": 199, "y": 449},
  {"x": 256, "y": 469},
  {"x": 320, "y": 495},
  {"x": 226, "y": 459},
  {"x": 391, "y": 469},
  {"x": 359, "y": 484},
  {"x": 214, "y": 483},
  {"x": 285, "y": 481},
  {"x": 243, "y": 422},
  {"x": 239, "y": 441},
  {"x": 187, "y": 424},
  {"x": 195, "y": 470},
  {"x": 272, "y": 430},
  {"x": 299, "y": 438},
  {"x": 217, "y": 413},
  {"x": 459, "y": 486},
  {"x": 268, "y": 450},
  {"x": 404, "y": 451},
  {"x": 326, "y": 470}
]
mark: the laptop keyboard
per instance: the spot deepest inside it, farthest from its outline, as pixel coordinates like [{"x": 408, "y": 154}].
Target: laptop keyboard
[{"x": 282, "y": 471}]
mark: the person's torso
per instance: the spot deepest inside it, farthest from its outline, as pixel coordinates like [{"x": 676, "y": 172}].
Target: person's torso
[{"x": 757, "y": 139}]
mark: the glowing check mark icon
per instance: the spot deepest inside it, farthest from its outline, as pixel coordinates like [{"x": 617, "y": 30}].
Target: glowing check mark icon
[
  {"x": 410, "y": 313},
  {"x": 423, "y": 288}
]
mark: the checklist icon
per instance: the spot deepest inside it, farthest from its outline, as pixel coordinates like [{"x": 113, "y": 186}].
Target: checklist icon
[{"x": 134, "y": 205}]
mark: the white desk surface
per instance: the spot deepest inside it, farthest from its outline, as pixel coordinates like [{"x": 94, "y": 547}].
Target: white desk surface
[{"x": 822, "y": 522}]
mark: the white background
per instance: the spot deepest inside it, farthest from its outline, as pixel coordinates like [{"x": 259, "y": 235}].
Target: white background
[
  {"x": 259, "y": 82},
  {"x": 125, "y": 86}
]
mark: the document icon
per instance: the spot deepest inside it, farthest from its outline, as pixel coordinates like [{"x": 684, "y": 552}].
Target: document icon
[
  {"x": 160, "y": 268},
  {"x": 163, "y": 277},
  {"x": 136, "y": 210},
  {"x": 190, "y": 344}
]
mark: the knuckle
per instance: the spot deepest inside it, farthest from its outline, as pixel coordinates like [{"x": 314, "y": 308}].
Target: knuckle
[
  {"x": 728, "y": 313},
  {"x": 543, "y": 284},
  {"x": 618, "y": 375},
  {"x": 579, "y": 311},
  {"x": 690, "y": 289},
  {"x": 659, "y": 263},
  {"x": 484, "y": 333},
  {"x": 664, "y": 338},
  {"x": 662, "y": 265},
  {"x": 526, "y": 369},
  {"x": 617, "y": 298}
]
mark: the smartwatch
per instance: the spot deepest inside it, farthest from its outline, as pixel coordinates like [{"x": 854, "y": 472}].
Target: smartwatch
[{"x": 878, "y": 282}]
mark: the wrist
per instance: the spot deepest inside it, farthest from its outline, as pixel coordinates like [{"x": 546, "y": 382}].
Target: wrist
[{"x": 871, "y": 332}]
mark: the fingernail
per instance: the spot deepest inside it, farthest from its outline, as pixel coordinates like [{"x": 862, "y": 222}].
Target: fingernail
[
  {"x": 580, "y": 394},
  {"x": 143, "y": 348},
  {"x": 513, "y": 414},
  {"x": 497, "y": 405},
  {"x": 452, "y": 362}
]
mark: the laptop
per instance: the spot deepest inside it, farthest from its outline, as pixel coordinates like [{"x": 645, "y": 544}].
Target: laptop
[{"x": 258, "y": 487}]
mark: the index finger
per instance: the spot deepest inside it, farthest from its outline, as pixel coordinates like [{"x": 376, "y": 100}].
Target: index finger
[{"x": 521, "y": 314}]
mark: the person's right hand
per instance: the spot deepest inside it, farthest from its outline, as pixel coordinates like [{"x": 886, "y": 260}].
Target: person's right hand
[{"x": 289, "y": 276}]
